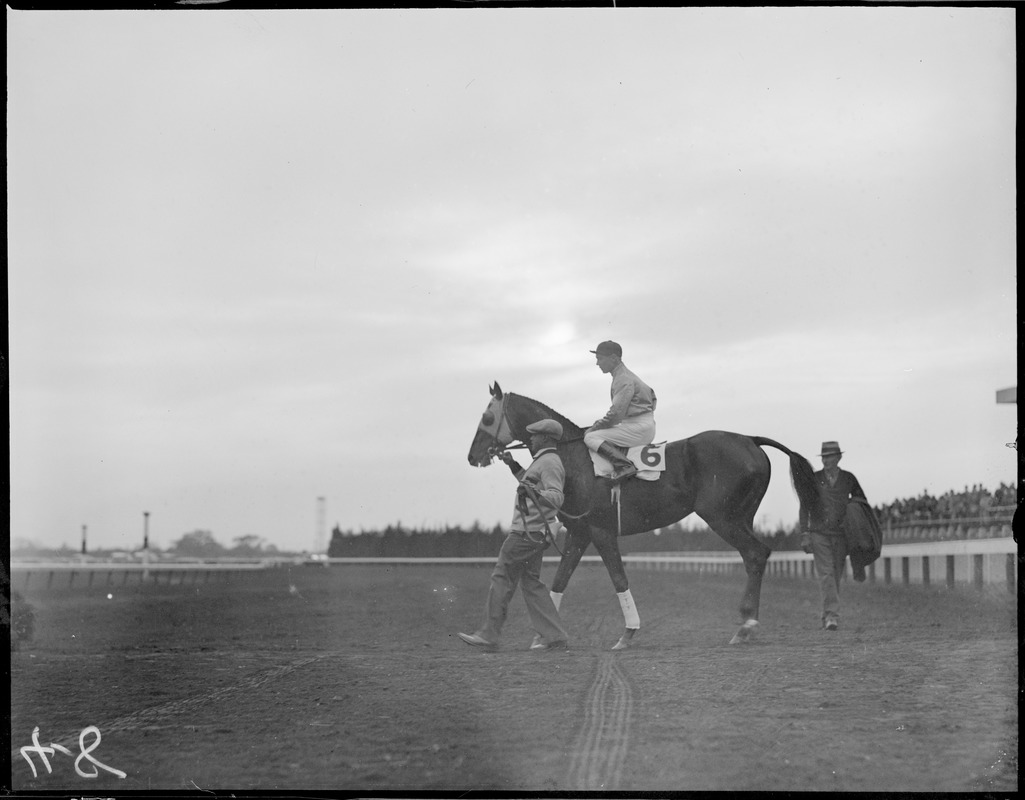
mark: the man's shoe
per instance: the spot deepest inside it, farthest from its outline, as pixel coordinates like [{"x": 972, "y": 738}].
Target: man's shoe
[
  {"x": 557, "y": 645},
  {"x": 477, "y": 640},
  {"x": 831, "y": 625}
]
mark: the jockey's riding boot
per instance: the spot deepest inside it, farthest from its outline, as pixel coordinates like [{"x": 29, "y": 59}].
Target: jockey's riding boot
[{"x": 622, "y": 467}]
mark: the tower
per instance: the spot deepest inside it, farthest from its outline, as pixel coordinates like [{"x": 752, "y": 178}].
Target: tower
[{"x": 319, "y": 542}]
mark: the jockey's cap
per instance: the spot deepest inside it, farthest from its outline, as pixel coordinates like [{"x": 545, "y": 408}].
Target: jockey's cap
[
  {"x": 608, "y": 349},
  {"x": 546, "y": 427},
  {"x": 831, "y": 449}
]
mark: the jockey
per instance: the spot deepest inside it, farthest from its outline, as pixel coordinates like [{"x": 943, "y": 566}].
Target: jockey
[{"x": 629, "y": 422}]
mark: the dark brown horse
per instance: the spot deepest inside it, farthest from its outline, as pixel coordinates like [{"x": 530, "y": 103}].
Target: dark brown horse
[{"x": 720, "y": 476}]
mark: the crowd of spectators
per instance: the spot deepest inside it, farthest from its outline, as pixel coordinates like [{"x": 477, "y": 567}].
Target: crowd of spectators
[{"x": 976, "y": 504}]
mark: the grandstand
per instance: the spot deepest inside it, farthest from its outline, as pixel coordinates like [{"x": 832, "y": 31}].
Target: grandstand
[{"x": 974, "y": 513}]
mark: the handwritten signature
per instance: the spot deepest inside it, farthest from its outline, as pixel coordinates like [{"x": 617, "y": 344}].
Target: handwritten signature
[{"x": 43, "y": 751}]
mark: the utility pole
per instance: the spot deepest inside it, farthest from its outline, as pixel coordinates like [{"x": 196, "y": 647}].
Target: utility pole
[{"x": 145, "y": 546}]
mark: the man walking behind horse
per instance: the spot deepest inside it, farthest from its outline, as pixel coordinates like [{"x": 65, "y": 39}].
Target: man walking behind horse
[
  {"x": 630, "y": 420},
  {"x": 823, "y": 535},
  {"x": 538, "y": 499}
]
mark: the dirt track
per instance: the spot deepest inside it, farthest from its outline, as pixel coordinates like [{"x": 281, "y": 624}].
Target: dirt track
[{"x": 357, "y": 681}]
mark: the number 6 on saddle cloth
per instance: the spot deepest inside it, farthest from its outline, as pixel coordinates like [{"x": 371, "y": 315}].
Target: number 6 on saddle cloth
[{"x": 650, "y": 460}]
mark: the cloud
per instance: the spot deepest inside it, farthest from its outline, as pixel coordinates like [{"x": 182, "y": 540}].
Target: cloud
[{"x": 261, "y": 258}]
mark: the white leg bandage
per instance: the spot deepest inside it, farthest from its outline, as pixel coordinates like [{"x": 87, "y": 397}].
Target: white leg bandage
[
  {"x": 630, "y": 615},
  {"x": 556, "y": 598}
]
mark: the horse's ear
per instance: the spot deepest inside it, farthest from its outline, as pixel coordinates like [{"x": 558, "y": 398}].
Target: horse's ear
[{"x": 496, "y": 391}]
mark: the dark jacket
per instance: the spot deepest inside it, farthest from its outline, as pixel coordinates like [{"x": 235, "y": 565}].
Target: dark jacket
[{"x": 829, "y": 518}]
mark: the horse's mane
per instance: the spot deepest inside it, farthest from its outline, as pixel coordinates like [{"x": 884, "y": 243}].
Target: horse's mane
[{"x": 549, "y": 411}]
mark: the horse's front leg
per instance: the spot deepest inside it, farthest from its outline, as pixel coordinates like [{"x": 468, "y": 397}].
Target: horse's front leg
[
  {"x": 578, "y": 537},
  {"x": 607, "y": 545}
]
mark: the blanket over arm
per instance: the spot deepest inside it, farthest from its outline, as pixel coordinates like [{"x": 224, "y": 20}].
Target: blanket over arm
[{"x": 863, "y": 534}]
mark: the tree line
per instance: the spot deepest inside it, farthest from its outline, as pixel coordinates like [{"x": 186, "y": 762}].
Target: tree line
[
  {"x": 398, "y": 541},
  {"x": 197, "y": 544}
]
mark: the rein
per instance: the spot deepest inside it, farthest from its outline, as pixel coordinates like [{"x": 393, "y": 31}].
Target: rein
[
  {"x": 549, "y": 537},
  {"x": 521, "y": 446}
]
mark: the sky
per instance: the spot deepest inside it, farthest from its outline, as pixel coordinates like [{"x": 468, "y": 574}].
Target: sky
[{"x": 257, "y": 258}]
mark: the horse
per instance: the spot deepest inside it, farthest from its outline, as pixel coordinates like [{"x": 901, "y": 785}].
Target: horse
[{"x": 719, "y": 475}]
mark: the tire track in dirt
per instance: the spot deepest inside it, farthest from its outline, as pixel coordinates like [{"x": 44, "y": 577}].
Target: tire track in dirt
[{"x": 599, "y": 753}]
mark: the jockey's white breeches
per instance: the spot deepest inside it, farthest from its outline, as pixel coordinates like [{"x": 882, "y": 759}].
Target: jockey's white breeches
[{"x": 631, "y": 432}]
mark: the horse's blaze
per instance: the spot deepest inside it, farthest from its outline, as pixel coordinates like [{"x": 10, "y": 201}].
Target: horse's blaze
[{"x": 478, "y": 455}]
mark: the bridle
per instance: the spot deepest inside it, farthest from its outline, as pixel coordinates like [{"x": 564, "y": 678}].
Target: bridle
[{"x": 487, "y": 422}]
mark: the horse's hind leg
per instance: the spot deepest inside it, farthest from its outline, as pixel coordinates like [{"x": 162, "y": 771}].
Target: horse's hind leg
[
  {"x": 607, "y": 545},
  {"x": 756, "y": 555}
]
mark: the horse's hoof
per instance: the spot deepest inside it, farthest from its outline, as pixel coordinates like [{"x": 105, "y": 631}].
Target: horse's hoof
[
  {"x": 744, "y": 634},
  {"x": 624, "y": 640}
]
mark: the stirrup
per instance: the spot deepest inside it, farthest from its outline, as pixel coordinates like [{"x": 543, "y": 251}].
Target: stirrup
[{"x": 622, "y": 473}]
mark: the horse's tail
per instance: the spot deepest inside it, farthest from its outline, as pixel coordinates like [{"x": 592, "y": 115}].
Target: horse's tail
[{"x": 802, "y": 477}]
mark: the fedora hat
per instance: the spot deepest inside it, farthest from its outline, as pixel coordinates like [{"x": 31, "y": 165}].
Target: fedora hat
[
  {"x": 831, "y": 449},
  {"x": 546, "y": 427}
]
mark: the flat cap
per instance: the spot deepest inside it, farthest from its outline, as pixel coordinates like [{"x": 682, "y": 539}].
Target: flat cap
[{"x": 548, "y": 427}]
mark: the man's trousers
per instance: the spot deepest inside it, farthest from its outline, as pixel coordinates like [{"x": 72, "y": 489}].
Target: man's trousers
[
  {"x": 830, "y": 552},
  {"x": 519, "y": 564}
]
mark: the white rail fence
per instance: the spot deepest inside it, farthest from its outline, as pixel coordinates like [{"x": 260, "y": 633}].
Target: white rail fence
[
  {"x": 27, "y": 575},
  {"x": 976, "y": 563}
]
